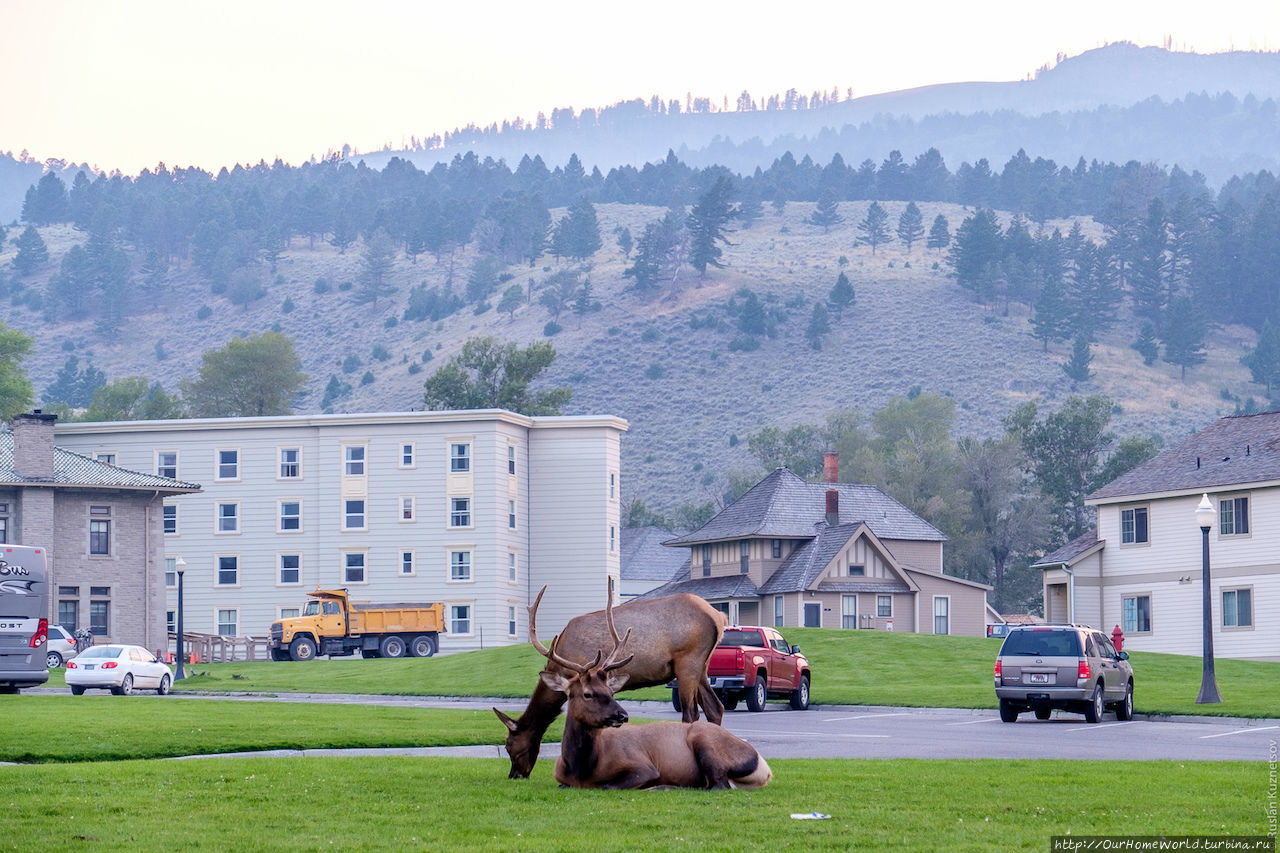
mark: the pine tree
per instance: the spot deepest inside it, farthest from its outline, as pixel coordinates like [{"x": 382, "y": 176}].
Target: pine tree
[
  {"x": 1263, "y": 360},
  {"x": 1184, "y": 336},
  {"x": 1052, "y": 320},
  {"x": 827, "y": 213},
  {"x": 910, "y": 225},
  {"x": 707, "y": 223},
  {"x": 1146, "y": 344},
  {"x": 1077, "y": 368},
  {"x": 841, "y": 295},
  {"x": 874, "y": 228},
  {"x": 819, "y": 325},
  {"x": 32, "y": 252},
  {"x": 979, "y": 244},
  {"x": 939, "y": 234}
]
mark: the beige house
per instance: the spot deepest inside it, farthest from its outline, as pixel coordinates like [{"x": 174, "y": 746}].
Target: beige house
[
  {"x": 827, "y": 555},
  {"x": 1141, "y": 568},
  {"x": 100, "y": 526}
]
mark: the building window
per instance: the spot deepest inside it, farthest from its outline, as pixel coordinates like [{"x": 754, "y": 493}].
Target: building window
[
  {"x": 290, "y": 569},
  {"x": 99, "y": 536},
  {"x": 460, "y": 619},
  {"x": 167, "y": 464},
  {"x": 848, "y": 611},
  {"x": 353, "y": 567},
  {"x": 406, "y": 455},
  {"x": 941, "y": 615},
  {"x": 460, "y": 566},
  {"x": 353, "y": 460},
  {"x": 170, "y": 518},
  {"x": 406, "y": 508},
  {"x": 1136, "y": 614},
  {"x": 353, "y": 515},
  {"x": 857, "y": 570},
  {"x": 511, "y": 515},
  {"x": 171, "y": 621},
  {"x": 290, "y": 463},
  {"x": 100, "y": 617},
  {"x": 228, "y": 623},
  {"x": 511, "y": 459},
  {"x": 290, "y": 516},
  {"x": 706, "y": 561},
  {"x": 105, "y": 458},
  {"x": 1237, "y": 608},
  {"x": 4, "y": 529},
  {"x": 777, "y": 611},
  {"x": 171, "y": 572},
  {"x": 744, "y": 556},
  {"x": 613, "y": 538},
  {"x": 884, "y": 606},
  {"x": 228, "y": 465},
  {"x": 512, "y": 573},
  {"x": 228, "y": 518},
  {"x": 288, "y": 613},
  {"x": 228, "y": 571},
  {"x": 1133, "y": 526},
  {"x": 69, "y": 609},
  {"x": 459, "y": 457},
  {"x": 459, "y": 512},
  {"x": 406, "y": 562},
  {"x": 776, "y": 549},
  {"x": 511, "y": 620},
  {"x": 1233, "y": 517},
  {"x": 613, "y": 485}
]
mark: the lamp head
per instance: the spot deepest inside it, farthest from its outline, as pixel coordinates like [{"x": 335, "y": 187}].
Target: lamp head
[
  {"x": 180, "y": 565},
  {"x": 1204, "y": 513}
]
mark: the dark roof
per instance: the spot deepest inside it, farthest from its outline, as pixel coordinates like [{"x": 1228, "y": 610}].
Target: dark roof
[
  {"x": 730, "y": 586},
  {"x": 73, "y": 469},
  {"x": 1235, "y": 451},
  {"x": 644, "y": 558},
  {"x": 1070, "y": 551},
  {"x": 783, "y": 506}
]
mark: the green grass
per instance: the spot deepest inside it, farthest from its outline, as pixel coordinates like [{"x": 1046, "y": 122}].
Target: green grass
[
  {"x": 401, "y": 803},
  {"x": 849, "y": 668}
]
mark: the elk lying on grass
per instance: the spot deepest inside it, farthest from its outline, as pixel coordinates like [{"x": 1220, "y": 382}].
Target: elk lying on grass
[
  {"x": 680, "y": 632},
  {"x": 599, "y": 751}
]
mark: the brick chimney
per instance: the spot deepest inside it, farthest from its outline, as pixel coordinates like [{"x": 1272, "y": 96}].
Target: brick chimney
[
  {"x": 831, "y": 474},
  {"x": 33, "y": 445}
]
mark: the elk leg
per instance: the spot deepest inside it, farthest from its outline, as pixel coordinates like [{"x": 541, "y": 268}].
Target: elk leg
[
  {"x": 690, "y": 682},
  {"x": 711, "y": 704},
  {"x": 636, "y": 777}
]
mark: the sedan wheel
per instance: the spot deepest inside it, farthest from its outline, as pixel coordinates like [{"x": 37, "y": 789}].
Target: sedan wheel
[
  {"x": 76, "y": 690},
  {"x": 163, "y": 689},
  {"x": 126, "y": 685}
]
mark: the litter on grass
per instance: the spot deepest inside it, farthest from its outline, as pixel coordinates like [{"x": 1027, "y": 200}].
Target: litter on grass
[{"x": 810, "y": 816}]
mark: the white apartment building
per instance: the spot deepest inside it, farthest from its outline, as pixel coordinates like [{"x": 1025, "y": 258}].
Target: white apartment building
[{"x": 474, "y": 509}]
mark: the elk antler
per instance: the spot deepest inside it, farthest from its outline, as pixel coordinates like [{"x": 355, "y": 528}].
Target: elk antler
[
  {"x": 610, "y": 664},
  {"x": 550, "y": 653}
]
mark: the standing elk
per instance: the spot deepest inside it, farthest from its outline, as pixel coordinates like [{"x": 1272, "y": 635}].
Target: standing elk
[
  {"x": 599, "y": 751},
  {"x": 680, "y": 632}
]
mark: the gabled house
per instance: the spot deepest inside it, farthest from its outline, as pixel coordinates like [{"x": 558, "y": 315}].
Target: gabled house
[
  {"x": 1140, "y": 568},
  {"x": 829, "y": 555}
]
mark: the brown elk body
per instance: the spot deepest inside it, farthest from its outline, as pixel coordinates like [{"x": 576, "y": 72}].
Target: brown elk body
[{"x": 679, "y": 634}]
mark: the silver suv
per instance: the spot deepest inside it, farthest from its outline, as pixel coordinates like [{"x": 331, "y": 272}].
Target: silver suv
[
  {"x": 61, "y": 647},
  {"x": 1070, "y": 667}
]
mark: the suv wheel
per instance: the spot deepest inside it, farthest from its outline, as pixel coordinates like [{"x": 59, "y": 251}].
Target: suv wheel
[
  {"x": 1093, "y": 713},
  {"x": 1124, "y": 708},
  {"x": 1008, "y": 713}
]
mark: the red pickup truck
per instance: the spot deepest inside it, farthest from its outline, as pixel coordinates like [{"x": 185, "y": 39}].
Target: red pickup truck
[{"x": 756, "y": 663}]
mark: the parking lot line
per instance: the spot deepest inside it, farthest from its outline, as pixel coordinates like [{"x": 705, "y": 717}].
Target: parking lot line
[
  {"x": 975, "y": 722},
  {"x": 868, "y": 716},
  {"x": 1239, "y": 732},
  {"x": 1097, "y": 726}
]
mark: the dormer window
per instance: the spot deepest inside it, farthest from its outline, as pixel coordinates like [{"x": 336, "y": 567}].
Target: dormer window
[{"x": 857, "y": 570}]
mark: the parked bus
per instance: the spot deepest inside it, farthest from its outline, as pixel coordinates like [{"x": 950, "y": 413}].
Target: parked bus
[{"x": 24, "y": 617}]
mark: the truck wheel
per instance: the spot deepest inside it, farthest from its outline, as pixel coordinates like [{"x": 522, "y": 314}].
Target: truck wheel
[
  {"x": 1093, "y": 712},
  {"x": 757, "y": 695},
  {"x": 1008, "y": 713},
  {"x": 1124, "y": 708},
  {"x": 800, "y": 696},
  {"x": 302, "y": 648},
  {"x": 279, "y": 654},
  {"x": 392, "y": 647},
  {"x": 422, "y": 646}
]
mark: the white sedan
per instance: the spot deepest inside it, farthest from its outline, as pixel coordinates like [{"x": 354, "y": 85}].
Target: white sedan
[{"x": 122, "y": 669}]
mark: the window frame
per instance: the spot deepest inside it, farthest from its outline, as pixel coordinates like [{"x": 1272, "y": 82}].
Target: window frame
[
  {"x": 455, "y": 619},
  {"x": 281, "y": 516},
  {"x": 513, "y": 566},
  {"x": 455, "y": 564},
  {"x": 459, "y": 462},
  {"x": 348, "y": 516},
  {"x": 1235, "y": 592},
  {"x": 511, "y": 460},
  {"x": 945, "y": 600},
  {"x": 880, "y": 609},
  {"x": 100, "y": 539},
  {"x": 1131, "y": 628},
  {"x": 406, "y": 509},
  {"x": 1135, "y": 510},
  {"x": 348, "y": 566},
  {"x": 161, "y": 468},
  {"x": 219, "y": 569},
  {"x": 281, "y": 569},
  {"x": 1235, "y": 503},
  {"x": 219, "y": 518},
  {"x": 220, "y": 466},
  {"x": 350, "y": 462},
  {"x": 168, "y": 513},
  {"x": 845, "y": 615},
  {"x": 218, "y": 623},
  {"x": 282, "y": 465},
  {"x": 408, "y": 456},
  {"x": 409, "y": 559},
  {"x": 460, "y": 518}
]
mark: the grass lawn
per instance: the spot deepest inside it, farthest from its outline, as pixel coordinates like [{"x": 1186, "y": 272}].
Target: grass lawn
[
  {"x": 399, "y": 803},
  {"x": 849, "y": 667}
]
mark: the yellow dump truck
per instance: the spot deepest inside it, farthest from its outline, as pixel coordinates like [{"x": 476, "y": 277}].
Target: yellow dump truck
[{"x": 333, "y": 624}]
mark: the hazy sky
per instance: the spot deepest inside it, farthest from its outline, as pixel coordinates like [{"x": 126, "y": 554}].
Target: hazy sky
[{"x": 125, "y": 85}]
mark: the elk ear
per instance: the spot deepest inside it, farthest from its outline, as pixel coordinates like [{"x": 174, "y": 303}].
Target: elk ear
[
  {"x": 506, "y": 721},
  {"x": 616, "y": 680},
  {"x": 555, "y": 681}
]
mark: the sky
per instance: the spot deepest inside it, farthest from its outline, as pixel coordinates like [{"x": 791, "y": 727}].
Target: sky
[{"x": 127, "y": 85}]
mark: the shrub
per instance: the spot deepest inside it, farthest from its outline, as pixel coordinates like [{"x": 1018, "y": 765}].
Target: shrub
[
  {"x": 321, "y": 286},
  {"x": 161, "y": 355},
  {"x": 204, "y": 313},
  {"x": 613, "y": 331},
  {"x": 654, "y": 371},
  {"x": 426, "y": 356},
  {"x": 390, "y": 323},
  {"x": 367, "y": 379},
  {"x": 744, "y": 343},
  {"x": 287, "y": 306},
  {"x": 380, "y": 352},
  {"x": 346, "y": 285},
  {"x": 351, "y": 364},
  {"x": 552, "y": 328},
  {"x": 68, "y": 345},
  {"x": 649, "y": 335},
  {"x": 416, "y": 367}
]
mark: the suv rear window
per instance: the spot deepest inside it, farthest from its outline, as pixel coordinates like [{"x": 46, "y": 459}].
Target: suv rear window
[{"x": 1042, "y": 643}]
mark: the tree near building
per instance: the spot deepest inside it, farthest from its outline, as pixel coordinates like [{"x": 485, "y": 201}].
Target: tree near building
[
  {"x": 15, "y": 388},
  {"x": 487, "y": 374},
  {"x": 133, "y": 398},
  {"x": 249, "y": 377},
  {"x": 874, "y": 228},
  {"x": 910, "y": 225},
  {"x": 707, "y": 223}
]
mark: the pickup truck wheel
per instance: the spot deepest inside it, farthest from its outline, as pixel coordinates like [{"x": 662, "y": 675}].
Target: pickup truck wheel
[
  {"x": 800, "y": 696},
  {"x": 757, "y": 695},
  {"x": 730, "y": 703},
  {"x": 422, "y": 646},
  {"x": 392, "y": 647},
  {"x": 675, "y": 700},
  {"x": 302, "y": 648}
]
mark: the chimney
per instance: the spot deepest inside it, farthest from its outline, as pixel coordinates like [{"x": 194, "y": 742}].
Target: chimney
[
  {"x": 33, "y": 445},
  {"x": 833, "y": 507},
  {"x": 831, "y": 474}
]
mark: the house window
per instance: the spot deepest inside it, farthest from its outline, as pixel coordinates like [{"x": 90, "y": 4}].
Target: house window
[
  {"x": 290, "y": 569},
  {"x": 706, "y": 561},
  {"x": 290, "y": 463},
  {"x": 1237, "y": 608},
  {"x": 1136, "y": 614},
  {"x": 511, "y": 567},
  {"x": 406, "y": 455},
  {"x": 848, "y": 611},
  {"x": 613, "y": 485},
  {"x": 290, "y": 516},
  {"x": 105, "y": 458},
  {"x": 884, "y": 606},
  {"x": 170, "y": 572},
  {"x": 744, "y": 556},
  {"x": 459, "y": 512},
  {"x": 99, "y": 536},
  {"x": 511, "y": 515},
  {"x": 511, "y": 621},
  {"x": 776, "y": 551},
  {"x": 1233, "y": 517},
  {"x": 69, "y": 607},
  {"x": 167, "y": 463},
  {"x": 460, "y": 619},
  {"x": 406, "y": 562},
  {"x": 353, "y": 567},
  {"x": 353, "y": 515},
  {"x": 406, "y": 508},
  {"x": 100, "y": 616},
  {"x": 1133, "y": 526},
  {"x": 460, "y": 566},
  {"x": 459, "y": 457},
  {"x": 228, "y": 518},
  {"x": 228, "y": 571},
  {"x": 353, "y": 460},
  {"x": 228, "y": 465},
  {"x": 941, "y": 615},
  {"x": 171, "y": 621},
  {"x": 777, "y": 611},
  {"x": 857, "y": 570},
  {"x": 288, "y": 612},
  {"x": 511, "y": 459},
  {"x": 169, "y": 513},
  {"x": 228, "y": 623}
]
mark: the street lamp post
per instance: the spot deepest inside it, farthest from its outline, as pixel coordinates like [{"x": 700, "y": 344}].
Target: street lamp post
[
  {"x": 1208, "y": 683},
  {"x": 181, "y": 566}
]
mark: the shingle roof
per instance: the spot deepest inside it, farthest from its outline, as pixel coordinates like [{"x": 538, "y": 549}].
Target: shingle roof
[
  {"x": 784, "y": 506},
  {"x": 1070, "y": 551},
  {"x": 732, "y": 586},
  {"x": 644, "y": 558},
  {"x": 72, "y": 469},
  {"x": 1234, "y": 451},
  {"x": 803, "y": 565}
]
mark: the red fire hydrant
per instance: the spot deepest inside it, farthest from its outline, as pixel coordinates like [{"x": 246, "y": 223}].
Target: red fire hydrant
[{"x": 1117, "y": 638}]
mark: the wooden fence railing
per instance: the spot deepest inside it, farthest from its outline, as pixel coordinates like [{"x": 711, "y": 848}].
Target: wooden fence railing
[{"x": 214, "y": 648}]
